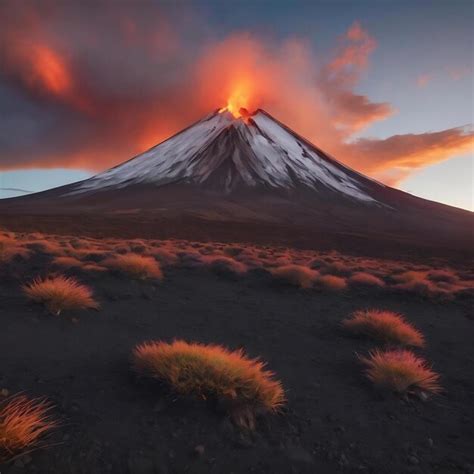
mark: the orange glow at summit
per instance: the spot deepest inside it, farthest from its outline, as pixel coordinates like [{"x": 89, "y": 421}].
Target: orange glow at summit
[{"x": 239, "y": 99}]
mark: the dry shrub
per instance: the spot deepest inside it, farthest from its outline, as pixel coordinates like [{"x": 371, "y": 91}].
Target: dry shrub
[
  {"x": 445, "y": 276},
  {"x": 138, "y": 246},
  {"x": 295, "y": 275},
  {"x": 70, "y": 262},
  {"x": 336, "y": 268},
  {"x": 424, "y": 288},
  {"x": 23, "y": 422},
  {"x": 410, "y": 277},
  {"x": 331, "y": 282},
  {"x": 45, "y": 246},
  {"x": 282, "y": 261},
  {"x": 88, "y": 254},
  {"x": 93, "y": 267},
  {"x": 238, "y": 383},
  {"x": 224, "y": 265},
  {"x": 60, "y": 293},
  {"x": 10, "y": 250},
  {"x": 135, "y": 266},
  {"x": 384, "y": 326},
  {"x": 400, "y": 371},
  {"x": 233, "y": 251},
  {"x": 366, "y": 279},
  {"x": 164, "y": 256},
  {"x": 190, "y": 259}
]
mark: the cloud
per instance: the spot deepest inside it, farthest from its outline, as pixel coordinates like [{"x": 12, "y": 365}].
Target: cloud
[
  {"x": 88, "y": 86},
  {"x": 394, "y": 158},
  {"x": 456, "y": 74},
  {"x": 423, "y": 80}
]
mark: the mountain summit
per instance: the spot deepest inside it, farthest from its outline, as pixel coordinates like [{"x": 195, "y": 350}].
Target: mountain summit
[{"x": 228, "y": 155}]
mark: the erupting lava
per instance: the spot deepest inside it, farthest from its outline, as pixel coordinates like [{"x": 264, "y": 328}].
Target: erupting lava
[{"x": 237, "y": 104}]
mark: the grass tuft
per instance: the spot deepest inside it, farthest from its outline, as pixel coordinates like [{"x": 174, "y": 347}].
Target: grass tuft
[
  {"x": 22, "y": 422},
  {"x": 296, "y": 275},
  {"x": 240, "y": 384},
  {"x": 401, "y": 371},
  {"x": 135, "y": 266},
  {"x": 366, "y": 279},
  {"x": 331, "y": 282},
  {"x": 384, "y": 326},
  {"x": 60, "y": 293}
]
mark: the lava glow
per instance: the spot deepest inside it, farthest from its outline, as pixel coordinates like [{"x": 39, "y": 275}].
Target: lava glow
[{"x": 239, "y": 99}]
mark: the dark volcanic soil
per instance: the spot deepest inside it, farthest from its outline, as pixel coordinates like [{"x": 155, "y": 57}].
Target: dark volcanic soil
[{"x": 334, "y": 421}]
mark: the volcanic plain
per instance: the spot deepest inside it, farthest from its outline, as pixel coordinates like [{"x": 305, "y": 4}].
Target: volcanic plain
[{"x": 282, "y": 305}]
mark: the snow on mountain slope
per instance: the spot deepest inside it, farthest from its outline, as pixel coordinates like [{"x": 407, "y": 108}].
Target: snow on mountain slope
[{"x": 226, "y": 153}]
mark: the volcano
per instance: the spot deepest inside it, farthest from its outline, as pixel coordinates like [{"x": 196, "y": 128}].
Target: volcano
[{"x": 251, "y": 170}]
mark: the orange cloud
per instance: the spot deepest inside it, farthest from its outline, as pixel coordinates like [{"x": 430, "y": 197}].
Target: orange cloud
[
  {"x": 423, "y": 80},
  {"x": 394, "y": 158},
  {"x": 353, "y": 53}
]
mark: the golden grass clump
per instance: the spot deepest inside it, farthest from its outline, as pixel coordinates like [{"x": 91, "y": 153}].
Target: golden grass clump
[
  {"x": 220, "y": 264},
  {"x": 366, "y": 279},
  {"x": 331, "y": 282},
  {"x": 22, "y": 422},
  {"x": 384, "y": 326},
  {"x": 135, "y": 266},
  {"x": 400, "y": 371},
  {"x": 68, "y": 262},
  {"x": 296, "y": 275},
  {"x": 10, "y": 248},
  {"x": 60, "y": 293},
  {"x": 240, "y": 384}
]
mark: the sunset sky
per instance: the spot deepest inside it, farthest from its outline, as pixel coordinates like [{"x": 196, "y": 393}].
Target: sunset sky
[{"x": 384, "y": 86}]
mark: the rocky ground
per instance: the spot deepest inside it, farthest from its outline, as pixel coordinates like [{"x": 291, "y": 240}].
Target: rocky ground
[{"x": 334, "y": 420}]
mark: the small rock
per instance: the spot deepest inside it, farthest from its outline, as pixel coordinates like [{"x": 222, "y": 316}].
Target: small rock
[
  {"x": 413, "y": 460},
  {"x": 199, "y": 450},
  {"x": 430, "y": 442}
]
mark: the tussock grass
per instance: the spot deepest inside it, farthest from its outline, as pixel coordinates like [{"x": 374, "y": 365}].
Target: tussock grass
[
  {"x": 10, "y": 248},
  {"x": 60, "y": 293},
  {"x": 400, "y": 371},
  {"x": 68, "y": 262},
  {"x": 240, "y": 384},
  {"x": 135, "y": 266},
  {"x": 295, "y": 275},
  {"x": 384, "y": 326},
  {"x": 331, "y": 282},
  {"x": 223, "y": 265},
  {"x": 23, "y": 422},
  {"x": 366, "y": 279}
]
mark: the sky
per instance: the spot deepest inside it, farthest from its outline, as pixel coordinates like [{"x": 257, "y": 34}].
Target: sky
[{"x": 383, "y": 86}]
